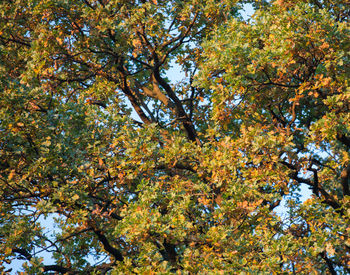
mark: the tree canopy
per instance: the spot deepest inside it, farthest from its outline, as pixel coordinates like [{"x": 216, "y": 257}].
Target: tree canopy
[{"x": 108, "y": 164}]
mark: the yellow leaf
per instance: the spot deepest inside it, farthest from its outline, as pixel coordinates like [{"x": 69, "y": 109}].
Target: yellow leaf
[
  {"x": 100, "y": 162},
  {"x": 330, "y": 250},
  {"x": 12, "y": 174},
  {"x": 46, "y": 143},
  {"x": 75, "y": 197}
]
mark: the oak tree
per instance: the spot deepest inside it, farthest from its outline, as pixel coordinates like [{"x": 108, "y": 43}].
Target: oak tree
[{"x": 109, "y": 164}]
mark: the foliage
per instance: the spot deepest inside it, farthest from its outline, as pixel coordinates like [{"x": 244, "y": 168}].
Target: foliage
[{"x": 142, "y": 174}]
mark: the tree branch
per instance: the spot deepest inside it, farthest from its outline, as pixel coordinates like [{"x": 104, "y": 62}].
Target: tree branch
[
  {"x": 329, "y": 263},
  {"x": 106, "y": 244},
  {"x": 344, "y": 139},
  {"x": 328, "y": 199},
  {"x": 57, "y": 268},
  {"x": 28, "y": 256},
  {"x": 187, "y": 123},
  {"x": 344, "y": 179}
]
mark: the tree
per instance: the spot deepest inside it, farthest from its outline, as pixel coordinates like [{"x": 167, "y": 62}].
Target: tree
[{"x": 142, "y": 174}]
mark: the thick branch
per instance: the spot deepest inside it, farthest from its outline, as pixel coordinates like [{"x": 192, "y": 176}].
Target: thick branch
[
  {"x": 134, "y": 102},
  {"x": 14, "y": 40},
  {"x": 23, "y": 252},
  {"x": 106, "y": 244},
  {"x": 345, "y": 178},
  {"x": 169, "y": 253},
  {"x": 328, "y": 199},
  {"x": 57, "y": 268},
  {"x": 187, "y": 123},
  {"x": 156, "y": 93},
  {"x": 344, "y": 139},
  {"x": 28, "y": 256},
  {"x": 329, "y": 263}
]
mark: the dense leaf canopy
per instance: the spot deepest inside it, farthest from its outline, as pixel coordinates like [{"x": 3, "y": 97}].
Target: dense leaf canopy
[{"x": 109, "y": 164}]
